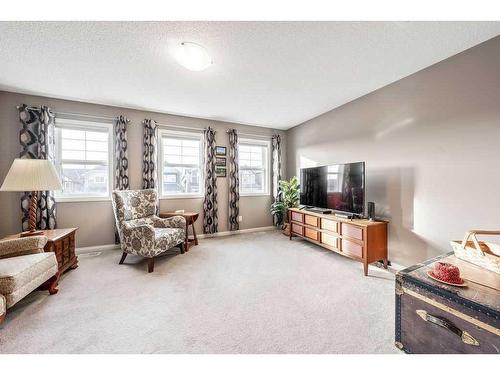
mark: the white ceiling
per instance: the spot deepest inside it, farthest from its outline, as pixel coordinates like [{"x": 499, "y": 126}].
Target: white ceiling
[{"x": 272, "y": 74}]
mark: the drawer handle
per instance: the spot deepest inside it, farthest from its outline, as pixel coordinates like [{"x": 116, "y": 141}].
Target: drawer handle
[{"x": 445, "y": 323}]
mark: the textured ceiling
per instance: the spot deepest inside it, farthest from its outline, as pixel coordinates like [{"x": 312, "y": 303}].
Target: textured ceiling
[{"x": 272, "y": 74}]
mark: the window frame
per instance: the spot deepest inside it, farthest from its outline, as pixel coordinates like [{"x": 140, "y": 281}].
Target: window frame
[
  {"x": 88, "y": 126},
  {"x": 186, "y": 135},
  {"x": 267, "y": 171}
]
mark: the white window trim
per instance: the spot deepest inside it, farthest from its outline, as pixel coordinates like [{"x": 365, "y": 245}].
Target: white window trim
[
  {"x": 267, "y": 190},
  {"x": 86, "y": 125},
  {"x": 184, "y": 134}
]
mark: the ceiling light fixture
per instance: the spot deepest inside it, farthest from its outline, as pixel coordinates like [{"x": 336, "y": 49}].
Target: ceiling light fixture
[{"x": 192, "y": 56}]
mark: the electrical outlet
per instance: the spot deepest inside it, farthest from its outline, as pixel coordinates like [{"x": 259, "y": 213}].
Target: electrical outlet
[{"x": 240, "y": 219}]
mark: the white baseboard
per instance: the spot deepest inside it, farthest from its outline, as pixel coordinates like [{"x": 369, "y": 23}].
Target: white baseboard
[
  {"x": 241, "y": 231},
  {"x": 93, "y": 249},
  {"x": 397, "y": 267},
  {"x": 393, "y": 268}
]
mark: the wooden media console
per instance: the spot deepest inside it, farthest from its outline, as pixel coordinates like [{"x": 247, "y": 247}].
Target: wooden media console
[{"x": 359, "y": 239}]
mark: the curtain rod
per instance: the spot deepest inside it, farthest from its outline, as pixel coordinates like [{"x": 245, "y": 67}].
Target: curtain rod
[
  {"x": 255, "y": 135},
  {"x": 159, "y": 124},
  {"x": 180, "y": 127},
  {"x": 74, "y": 114},
  {"x": 201, "y": 129}
]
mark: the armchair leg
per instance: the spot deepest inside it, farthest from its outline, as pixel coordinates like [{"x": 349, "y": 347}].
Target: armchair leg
[
  {"x": 53, "y": 283},
  {"x": 124, "y": 255},
  {"x": 182, "y": 247},
  {"x": 2, "y": 317},
  {"x": 151, "y": 264}
]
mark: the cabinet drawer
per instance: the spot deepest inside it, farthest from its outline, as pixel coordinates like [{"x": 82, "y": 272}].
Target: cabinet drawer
[
  {"x": 329, "y": 225},
  {"x": 352, "y": 248},
  {"x": 352, "y": 231},
  {"x": 296, "y": 216},
  {"x": 299, "y": 229},
  {"x": 312, "y": 234},
  {"x": 329, "y": 240},
  {"x": 311, "y": 220}
]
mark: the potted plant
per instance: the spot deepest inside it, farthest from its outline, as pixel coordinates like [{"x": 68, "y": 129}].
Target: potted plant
[{"x": 289, "y": 198}]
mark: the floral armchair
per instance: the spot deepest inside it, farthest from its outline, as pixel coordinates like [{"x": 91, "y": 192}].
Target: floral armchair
[{"x": 141, "y": 231}]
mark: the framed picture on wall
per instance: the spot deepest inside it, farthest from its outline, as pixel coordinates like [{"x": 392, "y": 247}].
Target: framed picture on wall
[
  {"x": 220, "y": 151},
  {"x": 220, "y": 171},
  {"x": 220, "y": 162}
]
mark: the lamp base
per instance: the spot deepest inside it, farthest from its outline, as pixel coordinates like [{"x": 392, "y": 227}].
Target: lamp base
[
  {"x": 32, "y": 217},
  {"x": 32, "y": 233}
]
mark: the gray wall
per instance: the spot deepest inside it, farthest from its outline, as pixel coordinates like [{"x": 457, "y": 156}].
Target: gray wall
[
  {"x": 95, "y": 219},
  {"x": 431, "y": 143}
]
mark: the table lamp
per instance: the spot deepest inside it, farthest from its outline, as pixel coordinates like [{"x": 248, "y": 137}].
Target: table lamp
[{"x": 31, "y": 175}]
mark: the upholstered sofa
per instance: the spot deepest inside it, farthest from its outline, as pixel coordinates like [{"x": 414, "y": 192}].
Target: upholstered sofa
[
  {"x": 24, "y": 266},
  {"x": 141, "y": 231}
]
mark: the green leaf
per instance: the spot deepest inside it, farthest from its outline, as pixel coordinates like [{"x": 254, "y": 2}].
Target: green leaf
[{"x": 290, "y": 198}]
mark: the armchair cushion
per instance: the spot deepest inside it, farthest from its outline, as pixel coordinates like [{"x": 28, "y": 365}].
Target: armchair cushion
[
  {"x": 22, "y": 246},
  {"x": 165, "y": 238},
  {"x": 21, "y": 275},
  {"x": 18, "y": 271}
]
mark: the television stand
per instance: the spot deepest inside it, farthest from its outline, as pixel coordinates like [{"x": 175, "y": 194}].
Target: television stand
[
  {"x": 318, "y": 210},
  {"x": 342, "y": 215},
  {"x": 358, "y": 239}
]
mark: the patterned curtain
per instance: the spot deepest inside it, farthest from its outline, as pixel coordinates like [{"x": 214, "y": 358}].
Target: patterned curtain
[
  {"x": 210, "y": 220},
  {"x": 37, "y": 142},
  {"x": 121, "y": 159},
  {"x": 149, "y": 173},
  {"x": 121, "y": 154},
  {"x": 276, "y": 156},
  {"x": 234, "y": 181}
]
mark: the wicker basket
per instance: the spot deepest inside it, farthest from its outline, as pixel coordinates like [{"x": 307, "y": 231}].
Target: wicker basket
[{"x": 480, "y": 253}]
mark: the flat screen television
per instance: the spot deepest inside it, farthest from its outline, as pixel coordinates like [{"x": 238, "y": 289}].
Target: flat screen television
[{"x": 339, "y": 187}]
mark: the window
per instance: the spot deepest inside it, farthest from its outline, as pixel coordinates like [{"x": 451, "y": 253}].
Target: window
[
  {"x": 83, "y": 159},
  {"x": 253, "y": 158},
  {"x": 181, "y": 161},
  {"x": 333, "y": 176}
]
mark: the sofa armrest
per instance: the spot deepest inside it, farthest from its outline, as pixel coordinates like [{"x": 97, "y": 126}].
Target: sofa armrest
[
  {"x": 3, "y": 308},
  {"x": 170, "y": 222},
  {"x": 22, "y": 246}
]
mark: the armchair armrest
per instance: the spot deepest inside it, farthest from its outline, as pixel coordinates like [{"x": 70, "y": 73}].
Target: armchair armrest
[
  {"x": 22, "y": 246},
  {"x": 170, "y": 222},
  {"x": 139, "y": 230}
]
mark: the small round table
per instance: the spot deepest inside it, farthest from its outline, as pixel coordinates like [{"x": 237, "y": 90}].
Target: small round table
[{"x": 190, "y": 217}]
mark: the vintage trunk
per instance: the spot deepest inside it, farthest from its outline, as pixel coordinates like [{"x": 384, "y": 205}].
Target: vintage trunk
[{"x": 432, "y": 317}]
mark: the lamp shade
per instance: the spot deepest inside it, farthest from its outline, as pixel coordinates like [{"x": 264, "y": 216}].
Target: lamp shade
[{"x": 31, "y": 175}]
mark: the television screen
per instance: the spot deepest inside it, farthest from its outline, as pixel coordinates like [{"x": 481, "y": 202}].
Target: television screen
[{"x": 340, "y": 187}]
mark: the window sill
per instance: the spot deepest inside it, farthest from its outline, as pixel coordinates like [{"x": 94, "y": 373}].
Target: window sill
[
  {"x": 255, "y": 194},
  {"x": 181, "y": 196},
  {"x": 81, "y": 199}
]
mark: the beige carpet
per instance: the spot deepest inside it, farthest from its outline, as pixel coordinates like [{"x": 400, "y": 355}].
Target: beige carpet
[{"x": 250, "y": 293}]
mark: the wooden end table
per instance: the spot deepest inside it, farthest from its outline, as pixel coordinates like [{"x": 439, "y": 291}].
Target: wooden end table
[
  {"x": 190, "y": 217},
  {"x": 61, "y": 242}
]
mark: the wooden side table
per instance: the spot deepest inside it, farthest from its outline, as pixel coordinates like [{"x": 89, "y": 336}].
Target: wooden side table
[
  {"x": 190, "y": 217},
  {"x": 62, "y": 243}
]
